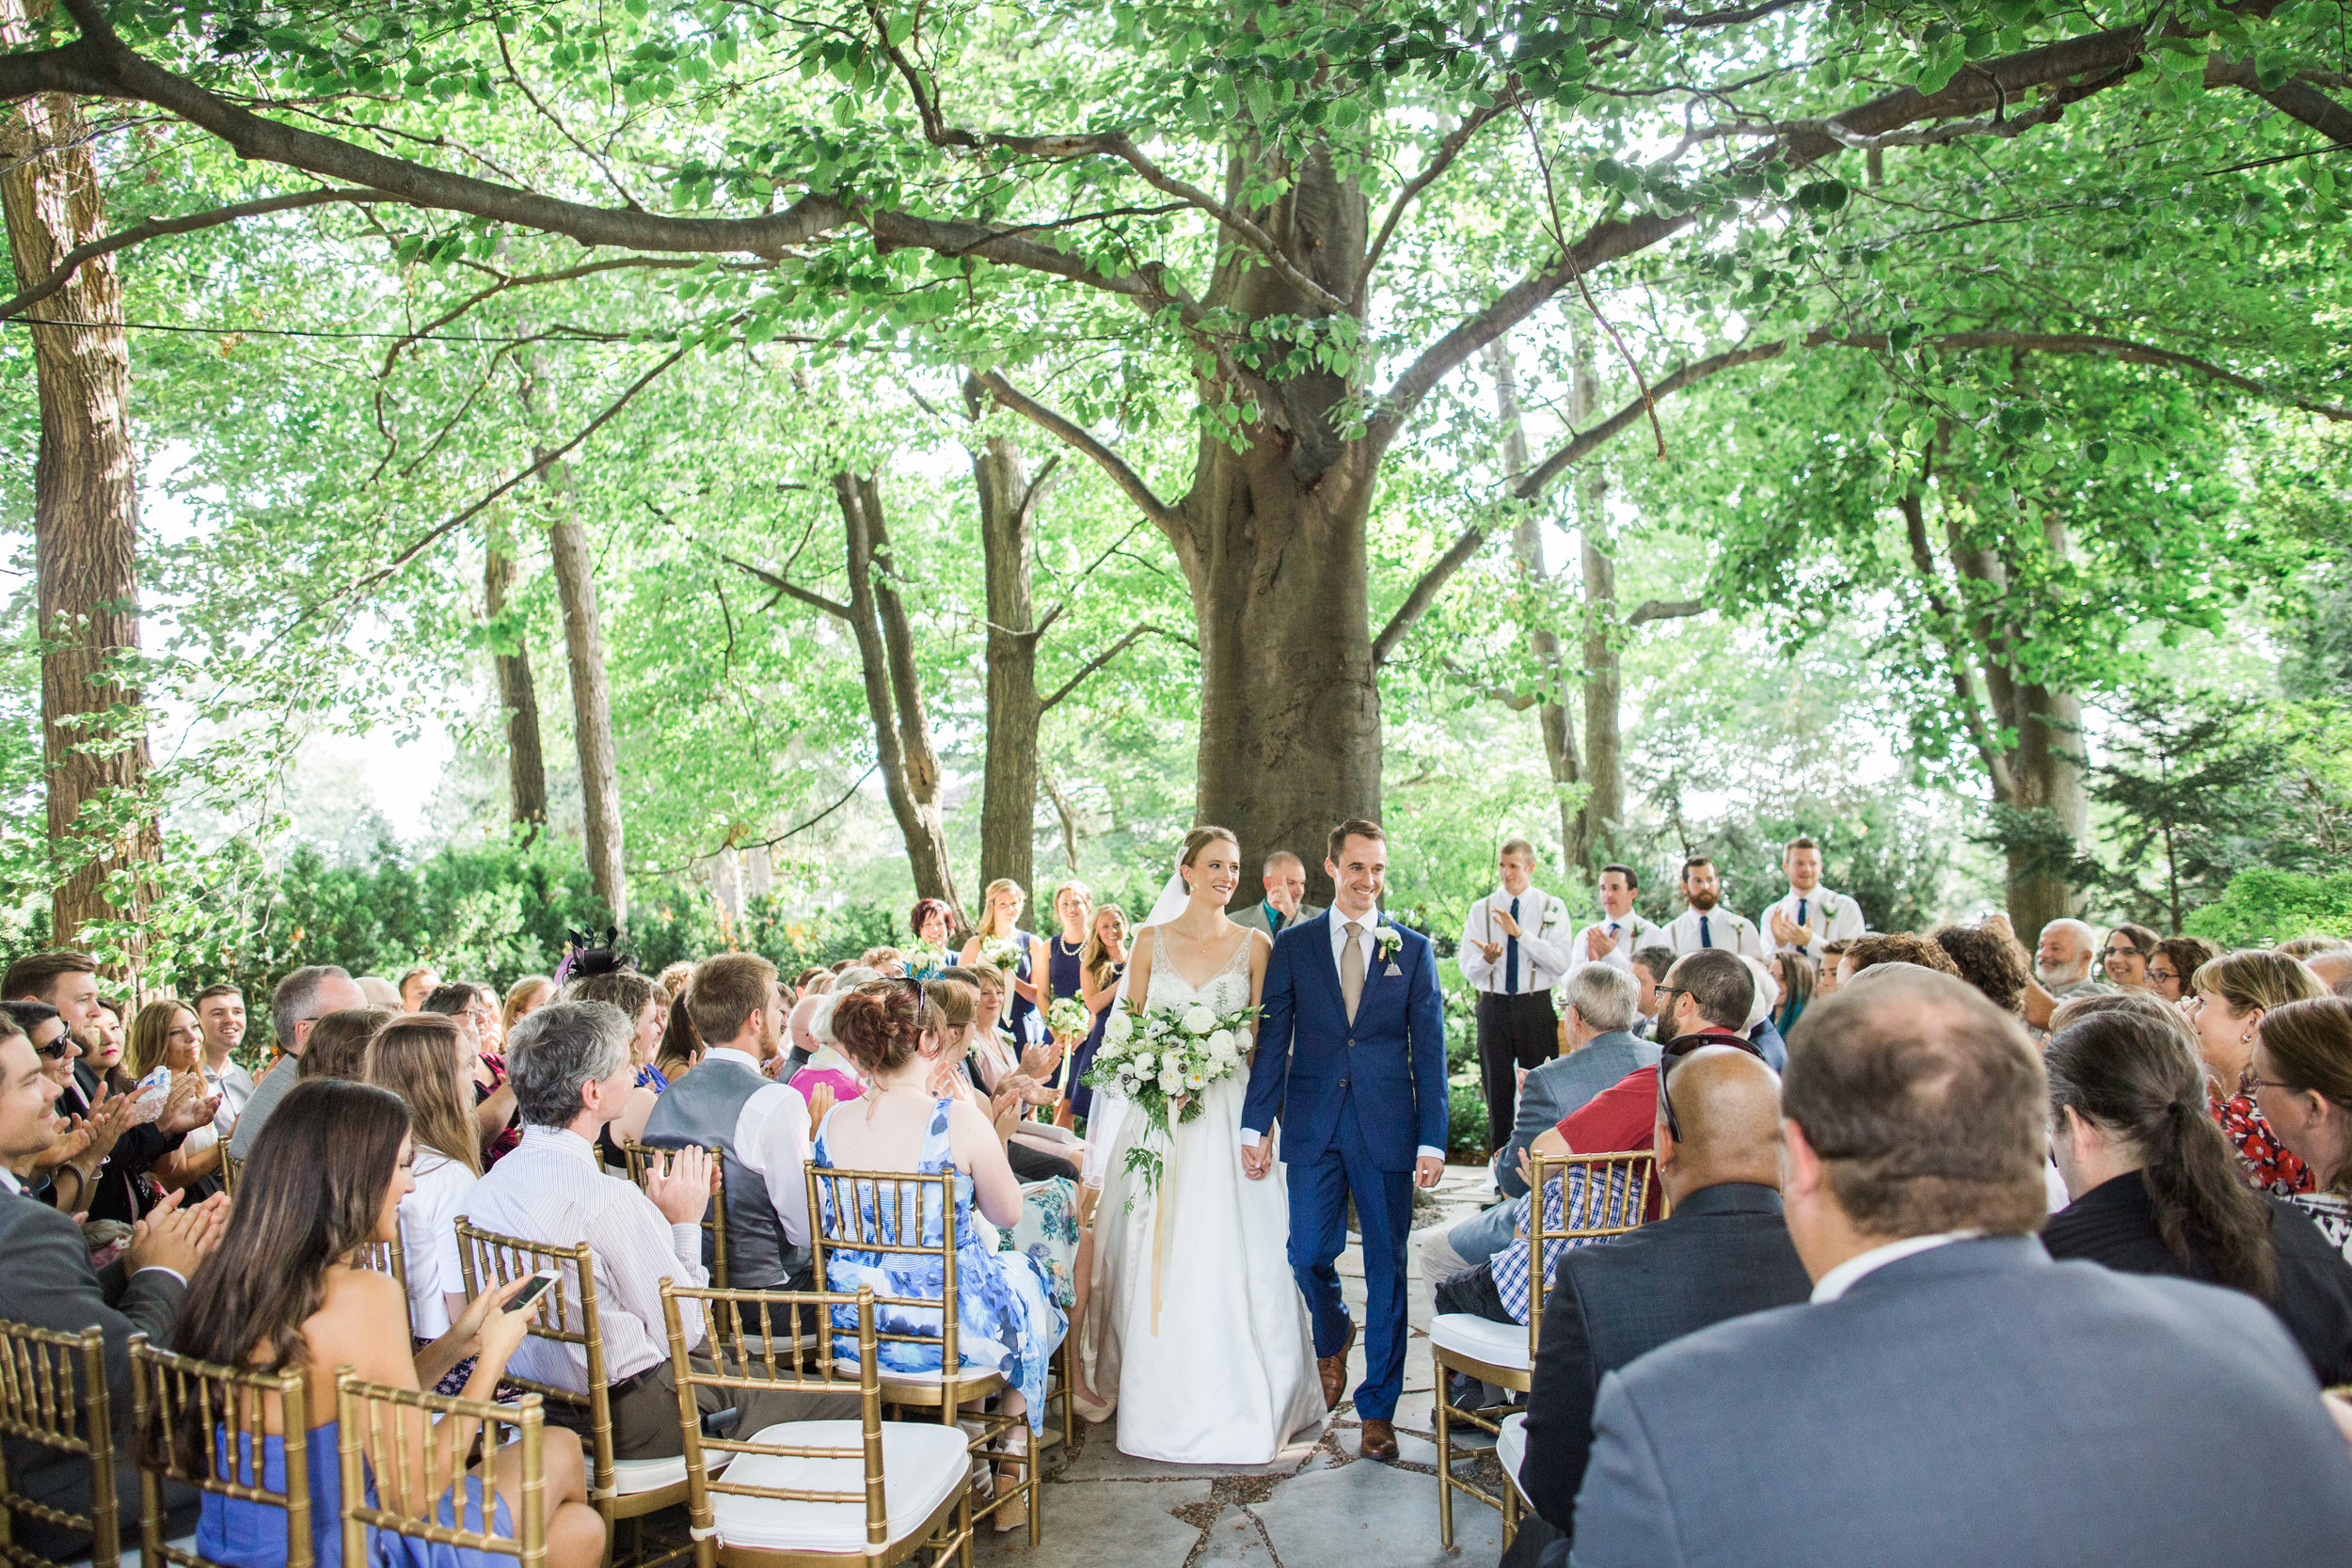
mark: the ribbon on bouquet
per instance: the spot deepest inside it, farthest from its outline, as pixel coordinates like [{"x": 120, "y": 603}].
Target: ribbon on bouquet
[{"x": 1161, "y": 1204}]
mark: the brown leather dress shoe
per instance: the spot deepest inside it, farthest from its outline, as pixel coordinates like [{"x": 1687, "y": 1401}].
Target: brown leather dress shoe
[
  {"x": 1378, "y": 1440},
  {"x": 1333, "y": 1370}
]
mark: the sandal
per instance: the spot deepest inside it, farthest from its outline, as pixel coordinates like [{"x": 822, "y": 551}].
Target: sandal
[{"x": 1013, "y": 1512}]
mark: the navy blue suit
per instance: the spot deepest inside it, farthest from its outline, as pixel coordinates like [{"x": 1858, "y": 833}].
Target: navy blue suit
[{"x": 1355, "y": 1101}]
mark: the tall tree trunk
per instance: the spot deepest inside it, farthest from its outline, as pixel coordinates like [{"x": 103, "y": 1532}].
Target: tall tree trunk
[
  {"x": 1009, "y": 787},
  {"x": 518, "y": 698},
  {"x": 1604, "y": 679},
  {"x": 894, "y": 696},
  {"x": 84, "y": 515}
]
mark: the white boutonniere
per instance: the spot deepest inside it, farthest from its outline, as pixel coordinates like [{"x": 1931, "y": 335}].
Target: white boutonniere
[{"x": 1386, "y": 940}]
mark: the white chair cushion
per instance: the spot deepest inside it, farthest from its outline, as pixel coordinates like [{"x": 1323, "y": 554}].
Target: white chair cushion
[
  {"x": 923, "y": 1465},
  {"x": 1511, "y": 1448},
  {"x": 633, "y": 1476},
  {"x": 1481, "y": 1338}
]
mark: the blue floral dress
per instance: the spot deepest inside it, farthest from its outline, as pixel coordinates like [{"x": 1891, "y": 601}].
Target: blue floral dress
[{"x": 1006, "y": 1318}]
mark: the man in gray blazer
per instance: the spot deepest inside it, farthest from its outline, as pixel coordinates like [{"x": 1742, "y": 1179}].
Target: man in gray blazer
[
  {"x": 1951, "y": 1395},
  {"x": 1284, "y": 904},
  {"x": 1601, "y": 1051},
  {"x": 52, "y": 1284}
]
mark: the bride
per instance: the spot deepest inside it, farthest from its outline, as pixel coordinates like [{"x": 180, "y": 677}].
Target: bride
[{"x": 1196, "y": 1327}]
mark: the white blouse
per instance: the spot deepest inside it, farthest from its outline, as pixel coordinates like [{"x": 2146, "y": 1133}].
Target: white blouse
[{"x": 428, "y": 1233}]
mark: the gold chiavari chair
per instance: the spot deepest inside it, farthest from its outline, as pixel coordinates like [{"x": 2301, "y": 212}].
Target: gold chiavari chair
[
  {"x": 389, "y": 1258},
  {"x": 811, "y": 1493},
  {"x": 52, "y": 1393},
  {"x": 714, "y": 1221},
  {"x": 1600, "y": 1195},
  {"x": 423, "y": 1492},
  {"x": 619, "y": 1488},
  {"x": 232, "y": 1170},
  {"x": 226, "y": 1410},
  {"x": 866, "y": 1213}
]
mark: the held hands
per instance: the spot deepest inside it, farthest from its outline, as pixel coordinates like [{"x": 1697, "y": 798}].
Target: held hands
[
  {"x": 1257, "y": 1159},
  {"x": 680, "y": 1185}
]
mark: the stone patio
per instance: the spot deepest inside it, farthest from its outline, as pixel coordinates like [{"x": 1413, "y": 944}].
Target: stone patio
[{"x": 1317, "y": 1506}]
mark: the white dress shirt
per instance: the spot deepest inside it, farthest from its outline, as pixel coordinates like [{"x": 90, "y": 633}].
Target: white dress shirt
[
  {"x": 428, "y": 1238},
  {"x": 1725, "y": 930},
  {"x": 1833, "y": 916},
  {"x": 1251, "y": 1136},
  {"x": 772, "y": 1138},
  {"x": 1543, "y": 922},
  {"x": 1840, "y": 1279},
  {"x": 550, "y": 1189},
  {"x": 1633, "y": 933},
  {"x": 233, "y": 1084}
]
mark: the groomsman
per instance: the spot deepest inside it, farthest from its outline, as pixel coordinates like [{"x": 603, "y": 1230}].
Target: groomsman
[
  {"x": 1811, "y": 914},
  {"x": 1704, "y": 923},
  {"x": 1619, "y": 933},
  {"x": 1284, "y": 904},
  {"x": 1513, "y": 953}
]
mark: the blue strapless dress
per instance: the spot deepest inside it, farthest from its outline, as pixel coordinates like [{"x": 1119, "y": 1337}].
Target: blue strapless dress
[{"x": 237, "y": 1534}]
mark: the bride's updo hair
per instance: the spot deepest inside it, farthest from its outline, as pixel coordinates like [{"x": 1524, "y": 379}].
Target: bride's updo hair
[
  {"x": 1201, "y": 838},
  {"x": 881, "y": 1024}
]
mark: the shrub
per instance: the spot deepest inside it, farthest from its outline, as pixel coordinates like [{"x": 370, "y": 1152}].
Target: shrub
[{"x": 2265, "y": 905}]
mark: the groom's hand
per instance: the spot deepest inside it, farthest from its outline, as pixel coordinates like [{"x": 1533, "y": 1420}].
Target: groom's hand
[
  {"x": 1427, "y": 1170},
  {"x": 1257, "y": 1159}
]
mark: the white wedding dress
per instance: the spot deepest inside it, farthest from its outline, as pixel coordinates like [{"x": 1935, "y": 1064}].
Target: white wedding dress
[{"x": 1206, "y": 1345}]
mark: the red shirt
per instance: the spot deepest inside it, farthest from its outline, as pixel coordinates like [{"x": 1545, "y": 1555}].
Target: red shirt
[{"x": 1623, "y": 1116}]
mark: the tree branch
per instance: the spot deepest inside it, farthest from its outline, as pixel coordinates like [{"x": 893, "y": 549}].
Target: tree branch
[
  {"x": 1171, "y": 519},
  {"x": 1664, "y": 609},
  {"x": 787, "y": 586},
  {"x": 1091, "y": 665},
  {"x": 1923, "y": 559},
  {"x": 1425, "y": 593},
  {"x": 1440, "y": 161},
  {"x": 2295, "y": 97}
]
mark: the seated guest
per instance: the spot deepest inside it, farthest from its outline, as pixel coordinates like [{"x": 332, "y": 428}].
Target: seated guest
[
  {"x": 679, "y": 1049},
  {"x": 2303, "y": 1083},
  {"x": 760, "y": 1128},
  {"x": 822, "y": 1062},
  {"x": 423, "y": 1058},
  {"x": 1951, "y": 1395},
  {"x": 1826, "y": 975},
  {"x": 1649, "y": 969},
  {"x": 1722, "y": 1251},
  {"x": 1794, "y": 974},
  {"x": 2124, "y": 956},
  {"x": 2176, "y": 959},
  {"x": 338, "y": 1043},
  {"x": 326, "y": 1178},
  {"x": 2156, "y": 1188},
  {"x": 1989, "y": 961},
  {"x": 65, "y": 1170},
  {"x": 1602, "y": 1049},
  {"x": 494, "y": 1097},
  {"x": 301, "y": 999},
  {"x": 2335, "y": 969},
  {"x": 1893, "y": 948},
  {"x": 1759, "y": 1031},
  {"x": 165, "y": 1035},
  {"x": 638, "y": 999},
  {"x": 418, "y": 983},
  {"x": 220, "y": 1014},
  {"x": 2230, "y": 997},
  {"x": 51, "y": 1285},
  {"x": 1006, "y": 1317},
  {"x": 380, "y": 993},
  {"x": 525, "y": 995}
]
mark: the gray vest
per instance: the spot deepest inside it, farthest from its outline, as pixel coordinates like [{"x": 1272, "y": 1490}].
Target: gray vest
[{"x": 703, "y": 1108}]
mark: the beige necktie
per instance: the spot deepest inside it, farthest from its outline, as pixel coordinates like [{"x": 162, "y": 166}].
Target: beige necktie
[{"x": 1352, "y": 967}]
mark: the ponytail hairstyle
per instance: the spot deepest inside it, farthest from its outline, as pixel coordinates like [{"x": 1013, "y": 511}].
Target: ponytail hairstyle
[
  {"x": 881, "y": 1024},
  {"x": 1200, "y": 839},
  {"x": 986, "y": 924},
  {"x": 2130, "y": 1076},
  {"x": 2310, "y": 1046},
  {"x": 956, "y": 1000}
]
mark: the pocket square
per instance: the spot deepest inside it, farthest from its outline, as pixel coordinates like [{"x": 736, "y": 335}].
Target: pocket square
[{"x": 1392, "y": 970}]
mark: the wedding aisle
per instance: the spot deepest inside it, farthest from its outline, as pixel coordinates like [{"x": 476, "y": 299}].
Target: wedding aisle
[{"x": 1318, "y": 1506}]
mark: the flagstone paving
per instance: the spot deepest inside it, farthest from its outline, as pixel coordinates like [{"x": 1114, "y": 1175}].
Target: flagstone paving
[{"x": 1317, "y": 1506}]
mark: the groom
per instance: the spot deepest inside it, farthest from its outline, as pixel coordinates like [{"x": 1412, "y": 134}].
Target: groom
[{"x": 1351, "y": 1060}]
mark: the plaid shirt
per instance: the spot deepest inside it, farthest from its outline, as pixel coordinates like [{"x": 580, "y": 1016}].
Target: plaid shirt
[{"x": 1563, "y": 1197}]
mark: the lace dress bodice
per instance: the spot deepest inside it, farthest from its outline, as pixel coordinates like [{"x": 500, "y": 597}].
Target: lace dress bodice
[{"x": 1226, "y": 992}]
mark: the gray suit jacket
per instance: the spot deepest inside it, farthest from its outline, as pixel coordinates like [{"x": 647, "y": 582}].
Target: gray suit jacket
[
  {"x": 1562, "y": 1086},
  {"x": 265, "y": 1099},
  {"x": 51, "y": 1285},
  {"x": 1254, "y": 916},
  {"x": 1973, "y": 1403}
]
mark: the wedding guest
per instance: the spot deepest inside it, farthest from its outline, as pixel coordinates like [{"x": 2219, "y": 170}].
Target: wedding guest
[
  {"x": 1048, "y": 1228},
  {"x": 495, "y": 1112},
  {"x": 1514, "y": 950},
  {"x": 418, "y": 983},
  {"x": 1760, "y": 1031},
  {"x": 1811, "y": 915},
  {"x": 2062, "y": 959},
  {"x": 66, "y": 981},
  {"x": 380, "y": 993},
  {"x": 301, "y": 999},
  {"x": 672, "y": 981},
  {"x": 1102, "y": 967},
  {"x": 2229, "y": 997},
  {"x": 1649, "y": 967},
  {"x": 165, "y": 1035},
  {"x": 998, "y": 1067},
  {"x": 680, "y": 1049},
  {"x": 220, "y": 1015},
  {"x": 424, "y": 1060},
  {"x": 1618, "y": 936},
  {"x": 1006, "y": 1317},
  {"x": 994, "y": 1051},
  {"x": 1916, "y": 1117},
  {"x": 532, "y": 990},
  {"x": 1284, "y": 876},
  {"x": 1722, "y": 1252},
  {"x": 933, "y": 921},
  {"x": 66, "y": 1169},
  {"x": 1894, "y": 947},
  {"x": 1073, "y": 910},
  {"x": 816, "y": 980},
  {"x": 637, "y": 999},
  {"x": 108, "y": 1060},
  {"x": 2302, "y": 1070},
  {"x": 1704, "y": 924},
  {"x": 825, "y": 1064},
  {"x": 1825, "y": 978},
  {"x": 1988, "y": 960},
  {"x": 2156, "y": 1188},
  {"x": 109, "y": 1168},
  {"x": 337, "y": 1046},
  {"x": 2311, "y": 942},
  {"x": 2335, "y": 969},
  {"x": 1793, "y": 973},
  {"x": 2124, "y": 959},
  {"x": 999, "y": 939},
  {"x": 2175, "y": 960},
  {"x": 279, "y": 1293}
]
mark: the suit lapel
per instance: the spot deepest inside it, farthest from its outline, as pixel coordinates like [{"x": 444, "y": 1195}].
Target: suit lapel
[{"x": 1327, "y": 963}]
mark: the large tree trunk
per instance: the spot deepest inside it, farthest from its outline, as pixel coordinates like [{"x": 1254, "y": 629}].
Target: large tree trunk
[
  {"x": 1009, "y": 787},
  {"x": 84, "y": 516},
  {"x": 591, "y": 711},
  {"x": 1604, "y": 677},
  {"x": 518, "y": 698}
]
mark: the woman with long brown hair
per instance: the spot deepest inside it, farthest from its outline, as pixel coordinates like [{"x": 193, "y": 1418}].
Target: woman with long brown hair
[
  {"x": 423, "y": 1058},
  {"x": 165, "y": 1034},
  {"x": 324, "y": 1178},
  {"x": 2302, "y": 1073},
  {"x": 2227, "y": 1000},
  {"x": 2156, "y": 1188}
]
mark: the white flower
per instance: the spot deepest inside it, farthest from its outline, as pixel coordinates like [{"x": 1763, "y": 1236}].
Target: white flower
[
  {"x": 1171, "y": 1080},
  {"x": 1145, "y": 1061},
  {"x": 1121, "y": 1029},
  {"x": 1194, "y": 1080},
  {"x": 1220, "y": 1044},
  {"x": 1385, "y": 933},
  {"x": 1199, "y": 1019}
]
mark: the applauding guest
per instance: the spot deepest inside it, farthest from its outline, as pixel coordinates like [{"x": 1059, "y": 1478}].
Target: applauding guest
[
  {"x": 1811, "y": 914},
  {"x": 1284, "y": 905},
  {"x": 1514, "y": 950},
  {"x": 1704, "y": 924},
  {"x": 1988, "y": 1406},
  {"x": 301, "y": 999},
  {"x": 220, "y": 1013},
  {"x": 1619, "y": 935}
]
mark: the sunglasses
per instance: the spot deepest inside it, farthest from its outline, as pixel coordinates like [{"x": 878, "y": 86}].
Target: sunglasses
[{"x": 55, "y": 1049}]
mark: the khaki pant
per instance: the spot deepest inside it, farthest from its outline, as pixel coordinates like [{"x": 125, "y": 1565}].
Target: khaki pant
[{"x": 645, "y": 1413}]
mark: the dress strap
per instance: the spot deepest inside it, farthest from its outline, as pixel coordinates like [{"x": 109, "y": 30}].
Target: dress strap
[{"x": 1159, "y": 953}]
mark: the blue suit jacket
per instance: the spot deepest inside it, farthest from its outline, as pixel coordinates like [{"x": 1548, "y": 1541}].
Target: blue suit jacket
[
  {"x": 1313, "y": 1067},
  {"x": 1974, "y": 1403}
]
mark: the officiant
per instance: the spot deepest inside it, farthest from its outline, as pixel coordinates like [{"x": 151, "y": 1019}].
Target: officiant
[{"x": 1514, "y": 950}]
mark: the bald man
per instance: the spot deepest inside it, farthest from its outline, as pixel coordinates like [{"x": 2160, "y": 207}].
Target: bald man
[
  {"x": 1722, "y": 1251},
  {"x": 2335, "y": 969}
]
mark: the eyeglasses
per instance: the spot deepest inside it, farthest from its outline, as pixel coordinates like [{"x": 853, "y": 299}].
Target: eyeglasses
[
  {"x": 2161, "y": 977},
  {"x": 1663, "y": 993},
  {"x": 2247, "y": 1083}
]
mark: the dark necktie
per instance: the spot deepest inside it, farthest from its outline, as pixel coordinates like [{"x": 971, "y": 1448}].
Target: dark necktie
[
  {"x": 1705, "y": 939},
  {"x": 1800, "y": 910},
  {"x": 1511, "y": 956}
]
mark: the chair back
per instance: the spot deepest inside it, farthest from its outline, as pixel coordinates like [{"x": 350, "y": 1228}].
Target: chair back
[
  {"x": 755, "y": 1366},
  {"x": 389, "y": 1258},
  {"x": 714, "y": 1220},
  {"x": 231, "y": 1170},
  {"x": 1600, "y": 1196},
  {"x": 389, "y": 1434},
  {"x": 566, "y": 1316},
  {"x": 52, "y": 1393},
  {"x": 887, "y": 1213},
  {"x": 223, "y": 1410}
]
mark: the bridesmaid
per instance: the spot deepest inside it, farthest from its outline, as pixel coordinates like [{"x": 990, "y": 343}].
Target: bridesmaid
[
  {"x": 1073, "y": 907},
  {"x": 1102, "y": 964},
  {"x": 1000, "y": 924}
]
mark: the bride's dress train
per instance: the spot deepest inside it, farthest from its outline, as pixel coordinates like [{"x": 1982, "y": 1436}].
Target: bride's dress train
[{"x": 1198, "y": 1330}]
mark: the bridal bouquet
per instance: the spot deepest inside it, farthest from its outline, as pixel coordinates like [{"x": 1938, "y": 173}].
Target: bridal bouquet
[
  {"x": 1069, "y": 1015},
  {"x": 923, "y": 962},
  {"x": 1159, "y": 1059},
  {"x": 1003, "y": 952}
]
